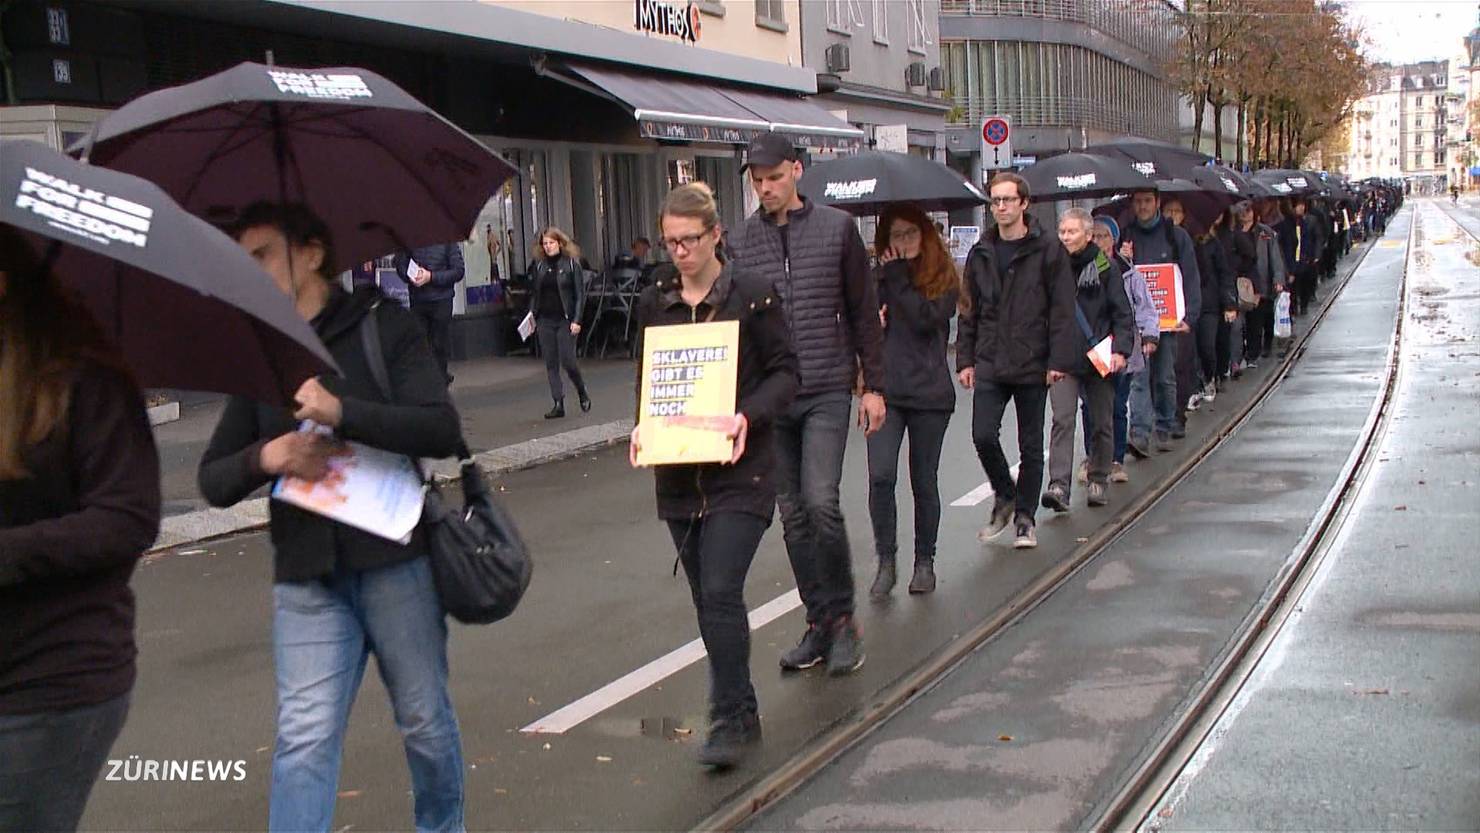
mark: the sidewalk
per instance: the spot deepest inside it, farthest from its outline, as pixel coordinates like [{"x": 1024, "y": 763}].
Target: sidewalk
[{"x": 502, "y": 402}]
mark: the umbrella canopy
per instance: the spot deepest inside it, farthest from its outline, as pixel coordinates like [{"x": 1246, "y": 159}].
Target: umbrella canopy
[
  {"x": 1202, "y": 202},
  {"x": 1277, "y": 180},
  {"x": 1158, "y": 160},
  {"x": 867, "y": 182},
  {"x": 1082, "y": 175},
  {"x": 183, "y": 303},
  {"x": 381, "y": 168}
]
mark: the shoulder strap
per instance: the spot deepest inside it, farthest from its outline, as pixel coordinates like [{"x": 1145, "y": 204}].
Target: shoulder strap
[{"x": 374, "y": 352}]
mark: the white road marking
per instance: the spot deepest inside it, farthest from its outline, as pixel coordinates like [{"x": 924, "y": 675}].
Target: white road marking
[
  {"x": 598, "y": 701},
  {"x": 977, "y": 496}
]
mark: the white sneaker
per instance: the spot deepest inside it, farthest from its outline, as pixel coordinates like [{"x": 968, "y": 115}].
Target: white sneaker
[{"x": 1194, "y": 401}]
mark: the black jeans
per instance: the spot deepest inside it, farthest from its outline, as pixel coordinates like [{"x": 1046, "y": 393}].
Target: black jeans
[
  {"x": 49, "y": 761},
  {"x": 1305, "y": 290},
  {"x": 559, "y": 349},
  {"x": 436, "y": 317},
  {"x": 716, "y": 551},
  {"x": 810, "y": 441},
  {"x": 927, "y": 430},
  {"x": 989, "y": 402},
  {"x": 1259, "y": 329}
]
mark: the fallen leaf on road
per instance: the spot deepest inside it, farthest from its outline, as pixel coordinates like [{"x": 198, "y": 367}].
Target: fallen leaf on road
[
  {"x": 603, "y": 759},
  {"x": 1166, "y": 812},
  {"x": 533, "y": 702},
  {"x": 1082, "y": 540},
  {"x": 547, "y": 746},
  {"x": 1365, "y": 691},
  {"x": 1004, "y": 738},
  {"x": 349, "y": 793},
  {"x": 1400, "y": 508},
  {"x": 683, "y": 731},
  {"x": 500, "y": 791}
]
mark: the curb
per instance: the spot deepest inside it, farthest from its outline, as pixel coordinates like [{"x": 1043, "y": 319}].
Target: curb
[{"x": 252, "y": 515}]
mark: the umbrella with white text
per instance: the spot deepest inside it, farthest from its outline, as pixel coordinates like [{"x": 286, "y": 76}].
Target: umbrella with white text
[
  {"x": 1071, "y": 176},
  {"x": 865, "y": 183}
]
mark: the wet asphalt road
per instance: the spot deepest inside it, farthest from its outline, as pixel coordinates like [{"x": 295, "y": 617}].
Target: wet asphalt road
[{"x": 603, "y": 603}]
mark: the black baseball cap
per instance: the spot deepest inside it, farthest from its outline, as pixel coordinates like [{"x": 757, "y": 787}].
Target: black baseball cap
[{"x": 769, "y": 150}]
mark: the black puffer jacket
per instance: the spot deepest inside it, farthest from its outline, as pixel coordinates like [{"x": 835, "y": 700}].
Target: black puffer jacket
[
  {"x": 819, "y": 267},
  {"x": 568, "y": 276},
  {"x": 766, "y": 384},
  {"x": 916, "y": 329},
  {"x": 421, "y": 423},
  {"x": 1021, "y": 319}
]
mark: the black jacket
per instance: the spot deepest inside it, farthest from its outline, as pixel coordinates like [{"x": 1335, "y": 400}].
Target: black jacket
[
  {"x": 767, "y": 383},
  {"x": 444, "y": 261},
  {"x": 1100, "y": 295},
  {"x": 1309, "y": 242},
  {"x": 421, "y": 423},
  {"x": 916, "y": 329},
  {"x": 1021, "y": 319},
  {"x": 1219, "y": 282},
  {"x": 569, "y": 278},
  {"x": 70, "y": 535},
  {"x": 1167, "y": 243}
]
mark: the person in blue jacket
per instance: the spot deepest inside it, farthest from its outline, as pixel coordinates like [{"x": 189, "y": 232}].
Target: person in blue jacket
[{"x": 439, "y": 268}]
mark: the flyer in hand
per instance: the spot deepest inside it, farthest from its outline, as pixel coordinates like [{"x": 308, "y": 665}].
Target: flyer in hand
[
  {"x": 1164, "y": 281},
  {"x": 366, "y": 488},
  {"x": 689, "y": 373}
]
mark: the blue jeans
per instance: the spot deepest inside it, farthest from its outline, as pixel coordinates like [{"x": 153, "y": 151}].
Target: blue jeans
[
  {"x": 323, "y": 632},
  {"x": 1154, "y": 390},
  {"x": 49, "y": 761},
  {"x": 810, "y": 441}
]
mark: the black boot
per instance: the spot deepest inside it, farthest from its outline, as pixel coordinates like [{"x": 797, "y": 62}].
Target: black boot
[
  {"x": 558, "y": 411},
  {"x": 585, "y": 402},
  {"x": 924, "y": 579},
  {"x": 884, "y": 580}
]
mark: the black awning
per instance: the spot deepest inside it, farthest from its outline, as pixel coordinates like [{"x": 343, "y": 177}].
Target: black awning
[{"x": 683, "y": 109}]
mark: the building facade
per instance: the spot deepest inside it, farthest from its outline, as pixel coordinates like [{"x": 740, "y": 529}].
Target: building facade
[
  {"x": 878, "y": 65},
  {"x": 602, "y": 105},
  {"x": 1400, "y": 128},
  {"x": 1464, "y": 113}
]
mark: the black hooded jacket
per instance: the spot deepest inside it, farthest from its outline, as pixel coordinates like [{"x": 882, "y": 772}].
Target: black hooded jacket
[
  {"x": 1020, "y": 318},
  {"x": 420, "y": 423},
  {"x": 916, "y": 329}
]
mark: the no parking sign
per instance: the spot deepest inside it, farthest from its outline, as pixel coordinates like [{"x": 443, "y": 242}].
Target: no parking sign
[{"x": 996, "y": 143}]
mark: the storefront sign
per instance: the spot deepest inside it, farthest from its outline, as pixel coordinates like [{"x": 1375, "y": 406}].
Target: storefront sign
[
  {"x": 682, "y": 132},
  {"x": 662, "y": 18}
]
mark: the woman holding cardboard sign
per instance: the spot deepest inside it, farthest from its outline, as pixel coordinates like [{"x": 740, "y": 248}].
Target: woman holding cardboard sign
[{"x": 717, "y": 512}]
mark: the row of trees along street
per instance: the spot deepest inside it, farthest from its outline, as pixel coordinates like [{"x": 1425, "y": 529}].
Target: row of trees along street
[{"x": 1284, "y": 72}]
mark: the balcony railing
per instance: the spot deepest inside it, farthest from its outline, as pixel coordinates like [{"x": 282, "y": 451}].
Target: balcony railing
[
  {"x": 1058, "y": 111},
  {"x": 1136, "y": 27}
]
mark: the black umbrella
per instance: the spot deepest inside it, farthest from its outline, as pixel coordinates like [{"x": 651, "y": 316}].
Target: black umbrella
[
  {"x": 1201, "y": 202},
  {"x": 1082, "y": 175},
  {"x": 381, "y": 168},
  {"x": 1155, "y": 159},
  {"x": 183, "y": 303},
  {"x": 1277, "y": 180},
  {"x": 867, "y": 182}
]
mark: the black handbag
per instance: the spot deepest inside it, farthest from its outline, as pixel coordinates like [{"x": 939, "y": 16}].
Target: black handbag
[{"x": 479, "y": 561}]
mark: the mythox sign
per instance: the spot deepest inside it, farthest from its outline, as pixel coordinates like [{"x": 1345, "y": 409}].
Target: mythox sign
[{"x": 666, "y": 19}]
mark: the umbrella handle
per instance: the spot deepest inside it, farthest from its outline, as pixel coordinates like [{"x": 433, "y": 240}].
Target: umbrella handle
[{"x": 87, "y": 146}]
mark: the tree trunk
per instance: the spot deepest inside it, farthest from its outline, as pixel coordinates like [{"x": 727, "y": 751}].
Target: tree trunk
[
  {"x": 1199, "y": 102},
  {"x": 1268, "y": 133},
  {"x": 1218, "y": 129},
  {"x": 1243, "y": 133}
]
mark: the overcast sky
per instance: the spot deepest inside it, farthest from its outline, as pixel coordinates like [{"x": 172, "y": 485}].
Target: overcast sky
[{"x": 1405, "y": 31}]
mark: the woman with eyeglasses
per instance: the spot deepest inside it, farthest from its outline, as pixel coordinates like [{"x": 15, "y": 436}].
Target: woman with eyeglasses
[
  {"x": 717, "y": 512},
  {"x": 918, "y": 290}
]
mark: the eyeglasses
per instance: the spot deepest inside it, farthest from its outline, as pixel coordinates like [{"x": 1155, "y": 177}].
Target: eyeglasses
[
  {"x": 685, "y": 243},
  {"x": 1005, "y": 200},
  {"x": 905, "y": 234}
]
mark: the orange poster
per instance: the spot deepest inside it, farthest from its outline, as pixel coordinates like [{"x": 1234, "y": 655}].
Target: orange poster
[{"x": 1164, "y": 281}]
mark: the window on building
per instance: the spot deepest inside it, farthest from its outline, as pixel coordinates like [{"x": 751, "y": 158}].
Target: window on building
[
  {"x": 1418, "y": 102},
  {"x": 881, "y": 21},
  {"x": 919, "y": 37},
  {"x": 771, "y": 14},
  {"x": 837, "y": 15}
]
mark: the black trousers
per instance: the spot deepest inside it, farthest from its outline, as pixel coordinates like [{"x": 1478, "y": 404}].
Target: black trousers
[
  {"x": 989, "y": 403},
  {"x": 927, "y": 431},
  {"x": 436, "y": 318},
  {"x": 716, "y": 551},
  {"x": 559, "y": 349},
  {"x": 1305, "y": 289}
]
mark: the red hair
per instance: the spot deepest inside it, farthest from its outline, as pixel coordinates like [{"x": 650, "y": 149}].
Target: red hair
[{"x": 934, "y": 273}]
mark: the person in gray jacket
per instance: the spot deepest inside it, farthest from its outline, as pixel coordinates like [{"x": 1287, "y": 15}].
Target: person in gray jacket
[
  {"x": 816, "y": 258},
  {"x": 918, "y": 290},
  {"x": 1265, "y": 268},
  {"x": 1102, "y": 310},
  {"x": 1150, "y": 239}
]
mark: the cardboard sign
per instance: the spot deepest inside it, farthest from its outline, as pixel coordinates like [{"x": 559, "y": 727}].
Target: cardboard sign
[
  {"x": 1164, "y": 281},
  {"x": 689, "y": 375}
]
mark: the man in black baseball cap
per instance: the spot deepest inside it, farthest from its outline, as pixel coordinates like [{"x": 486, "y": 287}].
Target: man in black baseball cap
[{"x": 769, "y": 150}]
